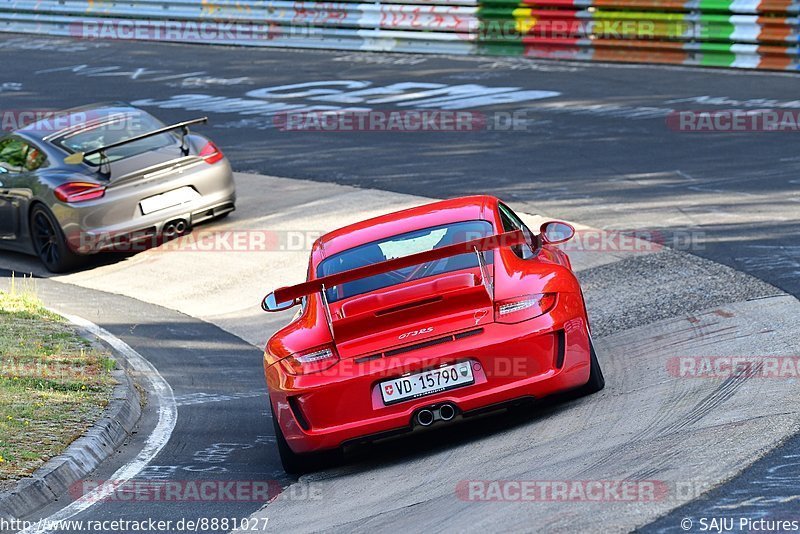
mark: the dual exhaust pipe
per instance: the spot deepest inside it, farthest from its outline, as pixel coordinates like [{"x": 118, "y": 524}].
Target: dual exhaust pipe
[
  {"x": 427, "y": 416},
  {"x": 175, "y": 229}
]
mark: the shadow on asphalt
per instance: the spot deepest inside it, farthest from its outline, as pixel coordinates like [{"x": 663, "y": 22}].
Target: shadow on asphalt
[
  {"x": 30, "y": 265},
  {"x": 441, "y": 437}
]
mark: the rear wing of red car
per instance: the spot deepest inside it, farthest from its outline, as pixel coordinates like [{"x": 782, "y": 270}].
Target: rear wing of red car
[{"x": 507, "y": 239}]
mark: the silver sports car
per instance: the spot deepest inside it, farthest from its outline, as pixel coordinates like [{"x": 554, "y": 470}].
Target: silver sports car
[{"x": 106, "y": 177}]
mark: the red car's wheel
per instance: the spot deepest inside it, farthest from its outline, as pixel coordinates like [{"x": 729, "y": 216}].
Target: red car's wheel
[
  {"x": 292, "y": 462},
  {"x": 596, "y": 379},
  {"x": 297, "y": 464}
]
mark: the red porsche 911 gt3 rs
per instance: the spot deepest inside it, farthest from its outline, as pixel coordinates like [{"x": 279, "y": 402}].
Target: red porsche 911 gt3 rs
[{"x": 421, "y": 317}]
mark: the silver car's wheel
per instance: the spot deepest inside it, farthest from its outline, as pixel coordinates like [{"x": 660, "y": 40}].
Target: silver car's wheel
[{"x": 50, "y": 243}]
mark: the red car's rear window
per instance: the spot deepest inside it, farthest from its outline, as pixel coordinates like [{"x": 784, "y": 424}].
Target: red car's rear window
[{"x": 404, "y": 245}]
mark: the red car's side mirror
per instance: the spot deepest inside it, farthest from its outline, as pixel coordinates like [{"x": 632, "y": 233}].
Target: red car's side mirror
[
  {"x": 269, "y": 304},
  {"x": 555, "y": 232}
]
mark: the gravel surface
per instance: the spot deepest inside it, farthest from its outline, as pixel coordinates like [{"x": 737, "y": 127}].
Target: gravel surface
[{"x": 651, "y": 287}]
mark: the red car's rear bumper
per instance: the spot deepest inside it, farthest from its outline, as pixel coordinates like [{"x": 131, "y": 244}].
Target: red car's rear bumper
[{"x": 534, "y": 358}]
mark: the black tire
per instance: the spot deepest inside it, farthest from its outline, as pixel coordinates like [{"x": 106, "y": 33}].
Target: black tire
[
  {"x": 49, "y": 242},
  {"x": 298, "y": 464},
  {"x": 291, "y": 461},
  {"x": 596, "y": 379}
]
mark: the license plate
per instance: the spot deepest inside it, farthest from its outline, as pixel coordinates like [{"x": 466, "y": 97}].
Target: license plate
[
  {"x": 427, "y": 383},
  {"x": 170, "y": 199}
]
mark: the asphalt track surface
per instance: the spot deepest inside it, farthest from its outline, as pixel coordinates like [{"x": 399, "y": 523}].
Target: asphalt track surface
[{"x": 599, "y": 152}]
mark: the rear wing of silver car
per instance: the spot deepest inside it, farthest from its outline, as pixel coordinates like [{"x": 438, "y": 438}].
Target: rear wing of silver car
[{"x": 79, "y": 157}]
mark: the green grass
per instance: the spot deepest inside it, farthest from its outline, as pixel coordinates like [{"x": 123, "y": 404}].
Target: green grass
[{"x": 53, "y": 383}]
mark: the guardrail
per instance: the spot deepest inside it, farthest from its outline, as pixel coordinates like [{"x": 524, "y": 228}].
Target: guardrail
[{"x": 727, "y": 33}]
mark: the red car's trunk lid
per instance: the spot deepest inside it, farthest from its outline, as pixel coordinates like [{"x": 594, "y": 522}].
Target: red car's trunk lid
[{"x": 426, "y": 311}]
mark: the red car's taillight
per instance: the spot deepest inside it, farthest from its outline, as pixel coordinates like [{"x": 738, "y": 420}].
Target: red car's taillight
[
  {"x": 211, "y": 153},
  {"x": 523, "y": 308},
  {"x": 312, "y": 361},
  {"x": 79, "y": 192}
]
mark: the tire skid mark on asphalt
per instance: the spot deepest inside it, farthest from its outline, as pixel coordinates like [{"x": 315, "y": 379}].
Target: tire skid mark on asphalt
[
  {"x": 655, "y": 462},
  {"x": 661, "y": 465},
  {"x": 713, "y": 341},
  {"x": 159, "y": 389},
  {"x": 704, "y": 329},
  {"x": 674, "y": 404},
  {"x": 713, "y": 335},
  {"x": 721, "y": 394},
  {"x": 701, "y": 326}
]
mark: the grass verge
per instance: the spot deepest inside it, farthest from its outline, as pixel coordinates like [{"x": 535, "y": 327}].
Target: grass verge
[{"x": 54, "y": 384}]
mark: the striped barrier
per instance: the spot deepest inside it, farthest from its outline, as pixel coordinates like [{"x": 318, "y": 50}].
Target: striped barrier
[
  {"x": 719, "y": 33},
  {"x": 723, "y": 33}
]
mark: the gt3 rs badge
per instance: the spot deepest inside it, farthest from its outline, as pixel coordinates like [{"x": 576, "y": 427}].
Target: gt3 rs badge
[{"x": 415, "y": 333}]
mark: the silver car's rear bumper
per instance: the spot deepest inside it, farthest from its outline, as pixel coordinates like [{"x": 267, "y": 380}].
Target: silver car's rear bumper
[{"x": 116, "y": 221}]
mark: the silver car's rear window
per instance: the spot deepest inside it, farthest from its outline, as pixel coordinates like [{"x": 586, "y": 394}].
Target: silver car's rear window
[{"x": 122, "y": 128}]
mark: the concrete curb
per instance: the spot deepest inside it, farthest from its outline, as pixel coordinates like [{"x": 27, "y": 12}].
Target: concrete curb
[{"x": 83, "y": 455}]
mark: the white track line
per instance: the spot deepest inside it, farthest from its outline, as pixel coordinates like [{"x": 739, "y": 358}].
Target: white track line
[{"x": 167, "y": 417}]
